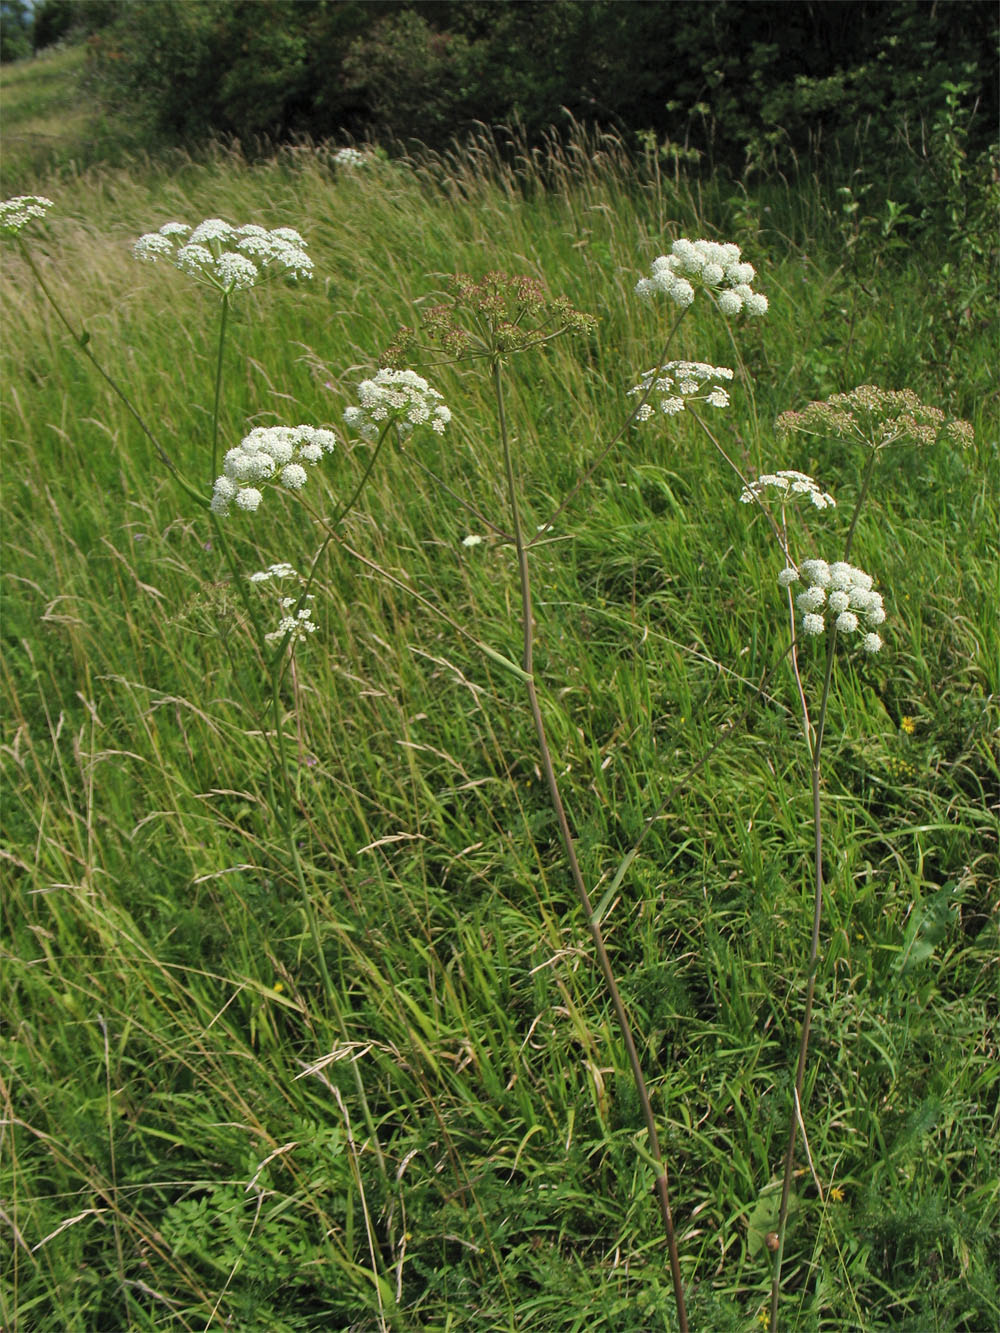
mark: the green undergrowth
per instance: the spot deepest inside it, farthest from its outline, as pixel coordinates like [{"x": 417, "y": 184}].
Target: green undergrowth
[{"x": 182, "y": 1146}]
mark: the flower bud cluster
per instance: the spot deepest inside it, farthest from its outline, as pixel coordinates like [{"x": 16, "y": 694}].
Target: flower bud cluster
[
  {"x": 788, "y": 484},
  {"x": 843, "y": 590},
  {"x": 400, "y": 397},
  {"x": 296, "y": 622},
  {"x": 711, "y": 265},
  {"x": 230, "y": 259},
  {"x": 499, "y": 313},
  {"x": 269, "y": 453},
  {"x": 18, "y": 212},
  {"x": 678, "y": 383},
  {"x": 876, "y": 418}
]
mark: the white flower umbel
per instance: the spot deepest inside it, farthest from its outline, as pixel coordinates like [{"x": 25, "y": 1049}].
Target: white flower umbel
[
  {"x": 269, "y": 453},
  {"x": 350, "y": 157},
  {"x": 788, "y": 485},
  {"x": 23, "y": 208},
  {"x": 296, "y": 619},
  {"x": 227, "y": 258},
  {"x": 280, "y": 571},
  {"x": 843, "y": 590},
  {"x": 679, "y": 383},
  {"x": 398, "y": 396},
  {"x": 716, "y": 268}
]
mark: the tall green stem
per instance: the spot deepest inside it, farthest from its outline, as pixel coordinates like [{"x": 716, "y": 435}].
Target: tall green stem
[
  {"x": 223, "y": 320},
  {"x": 527, "y": 662},
  {"x": 814, "y": 743}
]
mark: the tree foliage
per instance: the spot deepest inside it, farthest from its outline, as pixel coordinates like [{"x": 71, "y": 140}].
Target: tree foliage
[{"x": 735, "y": 83}]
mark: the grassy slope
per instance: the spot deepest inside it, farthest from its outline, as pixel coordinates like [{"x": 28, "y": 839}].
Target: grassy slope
[{"x": 161, "y": 997}]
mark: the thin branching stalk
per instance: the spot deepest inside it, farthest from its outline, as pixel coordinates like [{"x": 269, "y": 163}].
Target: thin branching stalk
[
  {"x": 814, "y": 744},
  {"x": 569, "y": 845},
  {"x": 223, "y": 320}
]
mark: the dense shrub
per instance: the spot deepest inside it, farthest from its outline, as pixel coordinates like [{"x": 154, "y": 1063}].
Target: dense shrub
[
  {"x": 69, "y": 20},
  {"x": 738, "y": 84},
  {"x": 15, "y": 30}
]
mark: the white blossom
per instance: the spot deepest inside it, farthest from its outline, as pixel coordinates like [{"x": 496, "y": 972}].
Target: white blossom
[
  {"x": 293, "y": 476},
  {"x": 248, "y": 498},
  {"x": 262, "y": 453},
  {"x": 235, "y": 272},
  {"x": 225, "y": 257},
  {"x": 23, "y": 208},
  {"x": 812, "y": 599},
  {"x": 400, "y": 397},
  {"x": 282, "y": 570},
  {"x": 296, "y": 621},
  {"x": 845, "y": 591},
  {"x": 788, "y": 483},
  {"x": 678, "y": 383},
  {"x": 710, "y": 265}
]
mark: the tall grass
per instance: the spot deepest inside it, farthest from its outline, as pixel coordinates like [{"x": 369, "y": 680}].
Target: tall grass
[{"x": 182, "y": 1146}]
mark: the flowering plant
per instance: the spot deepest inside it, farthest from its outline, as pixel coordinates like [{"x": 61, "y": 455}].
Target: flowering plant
[
  {"x": 716, "y": 268},
  {"x": 398, "y": 397},
  {"x": 350, "y": 157},
  {"x": 498, "y": 315},
  {"x": 681, "y": 382},
  {"x": 225, "y": 257},
  {"x": 788, "y": 484},
  {"x": 876, "y": 418},
  {"x": 18, "y": 212},
  {"x": 844, "y": 590},
  {"x": 296, "y": 621},
  {"x": 267, "y": 451}
]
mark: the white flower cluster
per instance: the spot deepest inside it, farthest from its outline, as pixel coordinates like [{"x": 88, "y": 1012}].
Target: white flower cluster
[
  {"x": 843, "y": 590},
  {"x": 267, "y": 451},
  {"x": 709, "y": 264},
  {"x": 18, "y": 212},
  {"x": 350, "y": 157},
  {"x": 399, "y": 396},
  {"x": 681, "y": 382},
  {"x": 297, "y": 621},
  {"x": 281, "y": 571},
  {"x": 227, "y": 258},
  {"x": 788, "y": 484}
]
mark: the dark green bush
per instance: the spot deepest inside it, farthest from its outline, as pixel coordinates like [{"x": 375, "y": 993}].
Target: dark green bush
[
  {"x": 69, "y": 20},
  {"x": 740, "y": 85},
  {"x": 15, "y": 30}
]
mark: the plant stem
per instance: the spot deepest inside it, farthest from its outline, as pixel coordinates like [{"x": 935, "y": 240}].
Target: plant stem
[
  {"x": 574, "y": 865},
  {"x": 218, "y": 385},
  {"x": 814, "y": 742},
  {"x": 800, "y": 1071}
]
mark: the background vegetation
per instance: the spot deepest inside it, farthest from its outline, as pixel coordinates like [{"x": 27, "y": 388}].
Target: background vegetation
[{"x": 181, "y": 1143}]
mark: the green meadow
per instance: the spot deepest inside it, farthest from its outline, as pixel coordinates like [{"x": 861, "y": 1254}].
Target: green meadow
[{"x": 198, "y": 1133}]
